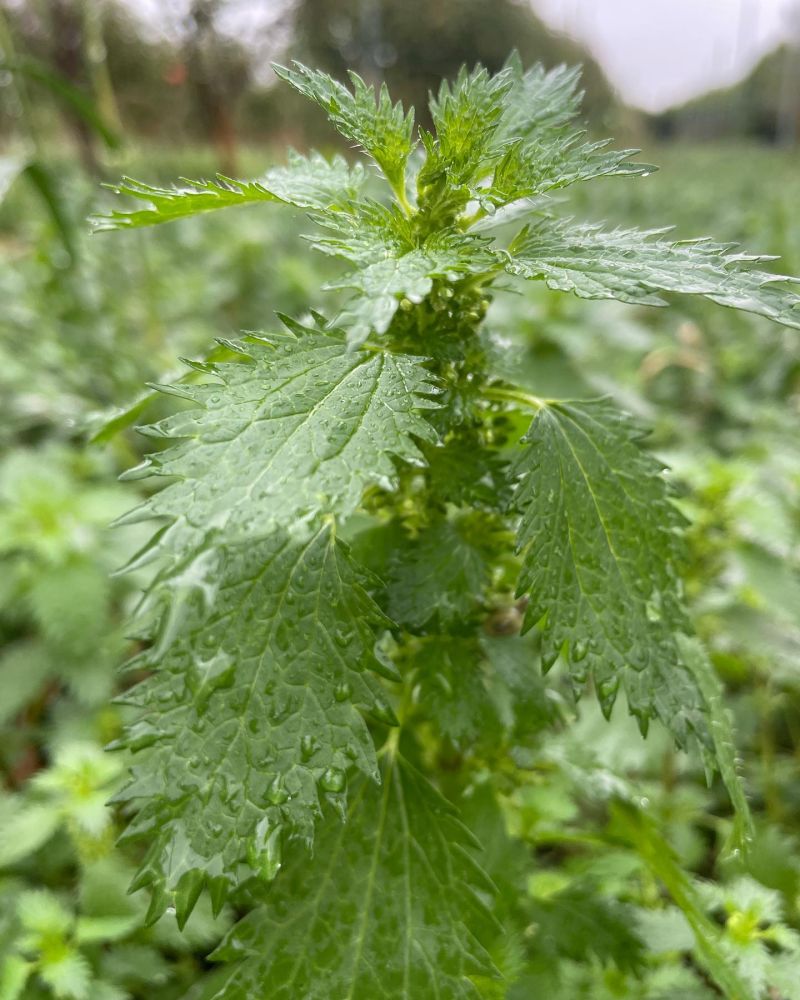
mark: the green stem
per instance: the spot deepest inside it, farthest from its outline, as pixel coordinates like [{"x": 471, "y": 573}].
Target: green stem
[
  {"x": 399, "y": 190},
  {"x": 482, "y": 278},
  {"x": 565, "y": 837},
  {"x": 389, "y": 748},
  {"x": 501, "y": 395},
  {"x": 468, "y": 221},
  {"x": 657, "y": 855}
]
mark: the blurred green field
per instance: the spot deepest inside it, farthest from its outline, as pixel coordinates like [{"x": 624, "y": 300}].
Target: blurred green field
[{"x": 86, "y": 320}]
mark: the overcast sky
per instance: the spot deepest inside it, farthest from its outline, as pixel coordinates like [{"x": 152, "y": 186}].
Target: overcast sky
[{"x": 658, "y": 53}]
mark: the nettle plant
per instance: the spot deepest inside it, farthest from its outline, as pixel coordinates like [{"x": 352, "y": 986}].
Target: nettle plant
[{"x": 370, "y": 546}]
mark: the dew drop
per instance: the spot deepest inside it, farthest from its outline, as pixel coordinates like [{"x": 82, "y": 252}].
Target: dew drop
[
  {"x": 211, "y": 675},
  {"x": 333, "y": 780},
  {"x": 264, "y": 854},
  {"x": 653, "y": 610},
  {"x": 282, "y": 637},
  {"x": 579, "y": 650},
  {"x": 382, "y": 711},
  {"x": 549, "y": 657},
  {"x": 276, "y": 793},
  {"x": 607, "y": 693},
  {"x": 342, "y": 691}
]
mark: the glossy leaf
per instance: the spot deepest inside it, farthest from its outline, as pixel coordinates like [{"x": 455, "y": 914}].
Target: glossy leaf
[
  {"x": 251, "y": 717},
  {"x": 393, "y": 907},
  {"x": 635, "y": 266},
  {"x": 380, "y": 127},
  {"x": 306, "y": 182},
  {"x": 441, "y": 574},
  {"x": 301, "y": 426},
  {"x": 602, "y": 550},
  {"x": 465, "y": 116}
]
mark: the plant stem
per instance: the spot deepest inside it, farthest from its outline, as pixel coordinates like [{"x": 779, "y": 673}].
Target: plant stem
[
  {"x": 501, "y": 395},
  {"x": 402, "y": 198},
  {"x": 389, "y": 748},
  {"x": 467, "y": 221}
]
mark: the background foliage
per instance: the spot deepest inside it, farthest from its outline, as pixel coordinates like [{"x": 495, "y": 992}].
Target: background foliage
[{"x": 83, "y": 327}]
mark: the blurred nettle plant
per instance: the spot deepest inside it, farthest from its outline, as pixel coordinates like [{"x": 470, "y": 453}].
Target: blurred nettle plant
[{"x": 369, "y": 543}]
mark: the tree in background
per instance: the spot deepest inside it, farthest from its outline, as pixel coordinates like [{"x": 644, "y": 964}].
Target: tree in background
[
  {"x": 218, "y": 74},
  {"x": 205, "y": 83},
  {"x": 413, "y": 44},
  {"x": 207, "y": 79}
]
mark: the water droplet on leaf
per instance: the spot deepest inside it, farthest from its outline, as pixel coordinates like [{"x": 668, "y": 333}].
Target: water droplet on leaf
[{"x": 333, "y": 780}]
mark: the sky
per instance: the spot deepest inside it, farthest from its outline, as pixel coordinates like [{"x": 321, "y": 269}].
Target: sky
[{"x": 659, "y": 53}]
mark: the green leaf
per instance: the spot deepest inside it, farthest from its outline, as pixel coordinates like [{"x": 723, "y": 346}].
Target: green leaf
[
  {"x": 68, "y": 974},
  {"x": 461, "y": 153},
  {"x": 306, "y": 182},
  {"x": 634, "y": 266},
  {"x": 14, "y": 974},
  {"x": 527, "y": 171},
  {"x": 365, "y": 231},
  {"x": 475, "y": 690},
  {"x": 314, "y": 182},
  {"x": 757, "y": 939},
  {"x": 392, "y": 907},
  {"x": 380, "y": 287},
  {"x": 90, "y": 930},
  {"x": 24, "y": 667},
  {"x": 441, "y": 574},
  {"x": 107, "y": 425},
  {"x": 503, "y": 138},
  {"x": 78, "y": 784},
  {"x": 251, "y": 717},
  {"x": 304, "y": 427},
  {"x": 464, "y": 474},
  {"x": 724, "y": 748},
  {"x": 540, "y": 152},
  {"x": 70, "y": 604},
  {"x": 539, "y": 101},
  {"x": 202, "y": 932},
  {"x": 42, "y": 913},
  {"x": 45, "y": 182},
  {"x": 381, "y": 128},
  {"x": 465, "y": 116},
  {"x": 24, "y": 828},
  {"x": 601, "y": 552},
  {"x": 578, "y": 922},
  {"x": 523, "y": 702},
  {"x": 449, "y": 678},
  {"x": 173, "y": 203}
]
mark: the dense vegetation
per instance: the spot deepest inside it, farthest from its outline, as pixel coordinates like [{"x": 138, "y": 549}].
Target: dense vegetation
[{"x": 519, "y": 844}]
